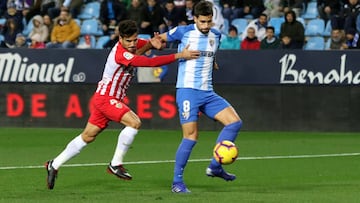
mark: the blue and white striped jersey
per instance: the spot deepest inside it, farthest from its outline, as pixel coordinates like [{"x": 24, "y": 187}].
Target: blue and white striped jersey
[{"x": 197, "y": 73}]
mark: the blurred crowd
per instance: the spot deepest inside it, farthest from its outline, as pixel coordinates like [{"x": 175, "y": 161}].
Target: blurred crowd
[{"x": 57, "y": 23}]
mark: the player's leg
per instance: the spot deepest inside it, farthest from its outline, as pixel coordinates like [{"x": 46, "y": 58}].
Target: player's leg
[
  {"x": 125, "y": 139},
  {"x": 72, "y": 149},
  {"x": 219, "y": 109},
  {"x": 188, "y": 102},
  {"x": 182, "y": 155}
]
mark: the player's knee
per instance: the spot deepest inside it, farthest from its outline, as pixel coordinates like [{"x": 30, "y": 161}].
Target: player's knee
[
  {"x": 135, "y": 124},
  {"x": 88, "y": 136},
  {"x": 236, "y": 126}
]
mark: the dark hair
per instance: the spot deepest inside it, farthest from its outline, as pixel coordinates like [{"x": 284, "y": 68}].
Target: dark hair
[
  {"x": 233, "y": 28},
  {"x": 127, "y": 28},
  {"x": 203, "y": 8},
  {"x": 270, "y": 28},
  {"x": 263, "y": 14}
]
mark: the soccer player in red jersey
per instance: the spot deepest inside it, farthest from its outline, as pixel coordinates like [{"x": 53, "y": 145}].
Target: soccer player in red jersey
[{"x": 107, "y": 102}]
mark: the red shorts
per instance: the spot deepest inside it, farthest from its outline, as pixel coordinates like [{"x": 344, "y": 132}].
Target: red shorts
[{"x": 104, "y": 109}]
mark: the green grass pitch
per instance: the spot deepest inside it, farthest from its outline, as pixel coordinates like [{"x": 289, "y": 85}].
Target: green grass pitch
[{"x": 272, "y": 167}]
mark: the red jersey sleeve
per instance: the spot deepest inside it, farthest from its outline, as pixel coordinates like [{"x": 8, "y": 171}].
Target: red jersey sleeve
[
  {"x": 126, "y": 58},
  {"x": 141, "y": 43}
]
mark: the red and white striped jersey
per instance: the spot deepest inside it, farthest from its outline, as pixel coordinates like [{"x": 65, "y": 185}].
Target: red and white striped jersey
[{"x": 119, "y": 69}]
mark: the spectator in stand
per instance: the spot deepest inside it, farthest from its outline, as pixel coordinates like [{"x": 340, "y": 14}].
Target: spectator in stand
[
  {"x": 337, "y": 39},
  {"x": 328, "y": 8},
  {"x": 65, "y": 33},
  {"x": 218, "y": 18},
  {"x": 231, "y": 9},
  {"x": 347, "y": 18},
  {"x": 47, "y": 5},
  {"x": 135, "y": 11},
  {"x": 259, "y": 25},
  {"x": 352, "y": 39},
  {"x": 270, "y": 41},
  {"x": 272, "y": 8},
  {"x": 114, "y": 38},
  {"x": 10, "y": 31},
  {"x": 111, "y": 13},
  {"x": 252, "y": 7},
  {"x": 2, "y": 8},
  {"x": 74, "y": 7},
  {"x": 152, "y": 18},
  {"x": 39, "y": 34},
  {"x": 295, "y": 5},
  {"x": 49, "y": 24},
  {"x": 292, "y": 32},
  {"x": 16, "y": 15},
  {"x": 188, "y": 12},
  {"x": 179, "y": 3},
  {"x": 20, "y": 41},
  {"x": 173, "y": 16},
  {"x": 250, "y": 42},
  {"x": 232, "y": 40},
  {"x": 33, "y": 10}
]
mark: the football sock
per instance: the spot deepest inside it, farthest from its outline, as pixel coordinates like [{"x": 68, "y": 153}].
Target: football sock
[
  {"x": 72, "y": 149},
  {"x": 230, "y": 133},
  {"x": 181, "y": 158},
  {"x": 126, "y": 138}
]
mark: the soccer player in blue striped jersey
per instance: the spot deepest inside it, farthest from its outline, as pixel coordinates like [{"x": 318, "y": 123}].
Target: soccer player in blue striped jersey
[{"x": 195, "y": 92}]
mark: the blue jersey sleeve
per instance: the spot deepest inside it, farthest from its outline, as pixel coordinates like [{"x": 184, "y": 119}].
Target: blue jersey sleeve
[{"x": 178, "y": 32}]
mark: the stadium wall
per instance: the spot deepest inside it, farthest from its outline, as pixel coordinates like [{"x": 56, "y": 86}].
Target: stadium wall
[{"x": 272, "y": 91}]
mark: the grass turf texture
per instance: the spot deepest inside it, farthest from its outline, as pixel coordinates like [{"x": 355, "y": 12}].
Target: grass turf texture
[{"x": 288, "y": 179}]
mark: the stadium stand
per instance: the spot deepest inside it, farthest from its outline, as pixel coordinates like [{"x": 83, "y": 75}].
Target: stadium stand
[
  {"x": 90, "y": 10},
  {"x": 101, "y": 41},
  {"x": 91, "y": 27},
  {"x": 92, "y": 41},
  {"x": 315, "y": 43},
  {"x": 311, "y": 11},
  {"x": 240, "y": 24},
  {"x": 327, "y": 30},
  {"x": 276, "y": 23},
  {"x": 315, "y": 27}
]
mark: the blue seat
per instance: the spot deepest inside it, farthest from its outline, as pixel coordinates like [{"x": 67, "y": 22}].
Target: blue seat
[
  {"x": 315, "y": 43},
  {"x": 225, "y": 29},
  {"x": 240, "y": 24},
  {"x": 78, "y": 21},
  {"x": 90, "y": 10},
  {"x": 315, "y": 27},
  {"x": 2, "y": 21},
  {"x": 327, "y": 30},
  {"x": 101, "y": 41},
  {"x": 327, "y": 44},
  {"x": 2, "y": 38},
  {"x": 301, "y": 20},
  {"x": 276, "y": 23},
  {"x": 91, "y": 27},
  {"x": 311, "y": 11}
]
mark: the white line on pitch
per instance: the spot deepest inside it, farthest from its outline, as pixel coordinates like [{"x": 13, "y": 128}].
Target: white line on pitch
[{"x": 194, "y": 160}]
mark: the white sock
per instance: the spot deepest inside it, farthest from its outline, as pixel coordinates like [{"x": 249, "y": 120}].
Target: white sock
[
  {"x": 126, "y": 138},
  {"x": 72, "y": 149}
]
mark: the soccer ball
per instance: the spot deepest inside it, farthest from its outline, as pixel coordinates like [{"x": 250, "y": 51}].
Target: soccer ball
[{"x": 225, "y": 152}]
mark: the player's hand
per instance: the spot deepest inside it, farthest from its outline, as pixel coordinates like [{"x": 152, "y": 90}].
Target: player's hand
[
  {"x": 188, "y": 54},
  {"x": 156, "y": 41},
  {"x": 216, "y": 66}
]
